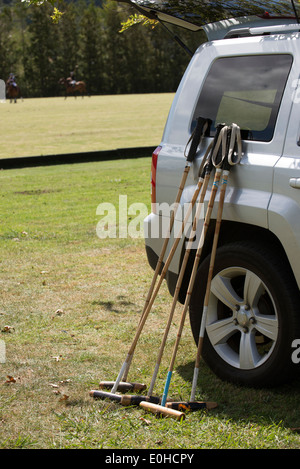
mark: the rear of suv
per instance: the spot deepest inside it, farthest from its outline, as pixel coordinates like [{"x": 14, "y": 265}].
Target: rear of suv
[{"x": 246, "y": 73}]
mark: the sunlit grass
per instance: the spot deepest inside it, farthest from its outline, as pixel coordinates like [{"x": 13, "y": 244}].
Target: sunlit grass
[
  {"x": 72, "y": 302},
  {"x": 47, "y": 126}
]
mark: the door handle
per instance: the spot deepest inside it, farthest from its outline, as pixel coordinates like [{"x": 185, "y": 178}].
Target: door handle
[{"x": 295, "y": 183}]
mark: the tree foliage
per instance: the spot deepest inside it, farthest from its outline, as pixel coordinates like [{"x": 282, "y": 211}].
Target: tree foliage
[{"x": 40, "y": 45}]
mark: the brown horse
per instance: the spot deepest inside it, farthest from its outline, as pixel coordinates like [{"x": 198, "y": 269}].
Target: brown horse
[
  {"x": 12, "y": 92},
  {"x": 77, "y": 87}
]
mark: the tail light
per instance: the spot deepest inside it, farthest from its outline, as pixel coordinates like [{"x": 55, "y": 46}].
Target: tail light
[{"x": 153, "y": 174}]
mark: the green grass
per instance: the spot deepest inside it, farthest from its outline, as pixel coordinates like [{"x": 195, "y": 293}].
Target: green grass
[
  {"x": 47, "y": 126},
  {"x": 73, "y": 302}
]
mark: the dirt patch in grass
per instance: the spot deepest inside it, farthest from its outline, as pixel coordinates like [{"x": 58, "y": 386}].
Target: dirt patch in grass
[{"x": 37, "y": 191}]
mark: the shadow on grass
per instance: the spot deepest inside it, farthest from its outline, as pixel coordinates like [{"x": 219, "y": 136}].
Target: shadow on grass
[{"x": 118, "y": 306}]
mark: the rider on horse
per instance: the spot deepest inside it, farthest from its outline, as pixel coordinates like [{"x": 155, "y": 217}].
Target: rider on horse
[
  {"x": 73, "y": 79},
  {"x": 12, "y": 80}
]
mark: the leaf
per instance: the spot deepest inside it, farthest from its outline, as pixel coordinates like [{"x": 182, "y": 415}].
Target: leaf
[
  {"x": 58, "y": 312},
  {"x": 7, "y": 329},
  {"x": 137, "y": 19},
  {"x": 65, "y": 381},
  {"x": 56, "y": 15},
  {"x": 53, "y": 385},
  {"x": 57, "y": 358},
  {"x": 10, "y": 379},
  {"x": 147, "y": 422}
]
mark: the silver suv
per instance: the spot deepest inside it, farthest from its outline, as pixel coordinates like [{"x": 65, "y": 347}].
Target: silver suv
[{"x": 247, "y": 73}]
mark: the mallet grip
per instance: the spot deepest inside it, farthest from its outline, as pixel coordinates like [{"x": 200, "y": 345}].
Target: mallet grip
[
  {"x": 201, "y": 127},
  {"x": 105, "y": 395}
]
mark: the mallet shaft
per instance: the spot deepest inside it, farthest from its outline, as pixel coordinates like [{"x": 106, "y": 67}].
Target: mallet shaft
[
  {"x": 192, "y": 280},
  {"x": 202, "y": 184},
  {"x": 231, "y": 139}
]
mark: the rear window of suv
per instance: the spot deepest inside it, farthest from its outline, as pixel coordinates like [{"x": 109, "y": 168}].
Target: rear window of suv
[{"x": 246, "y": 90}]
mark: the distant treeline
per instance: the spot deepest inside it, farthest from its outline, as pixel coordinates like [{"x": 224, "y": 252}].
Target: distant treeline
[{"x": 87, "y": 40}]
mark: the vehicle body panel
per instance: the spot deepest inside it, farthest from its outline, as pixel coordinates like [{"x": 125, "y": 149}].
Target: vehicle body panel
[{"x": 250, "y": 188}]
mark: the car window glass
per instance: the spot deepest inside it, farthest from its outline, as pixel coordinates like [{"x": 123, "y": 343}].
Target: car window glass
[{"x": 246, "y": 90}]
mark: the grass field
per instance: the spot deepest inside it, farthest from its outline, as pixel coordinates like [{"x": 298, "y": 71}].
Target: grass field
[
  {"x": 46, "y": 126},
  {"x": 70, "y": 304}
]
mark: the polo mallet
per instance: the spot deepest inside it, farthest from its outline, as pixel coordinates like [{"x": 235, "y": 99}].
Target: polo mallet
[
  {"x": 201, "y": 127},
  {"x": 202, "y": 185},
  {"x": 124, "y": 385},
  {"x": 165, "y": 407},
  {"x": 233, "y": 142},
  {"x": 196, "y": 137}
]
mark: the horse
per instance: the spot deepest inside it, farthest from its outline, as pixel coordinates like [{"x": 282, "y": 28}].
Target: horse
[
  {"x": 72, "y": 88},
  {"x": 12, "y": 91}
]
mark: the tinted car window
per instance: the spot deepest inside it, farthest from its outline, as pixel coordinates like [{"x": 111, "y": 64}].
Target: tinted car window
[{"x": 246, "y": 90}]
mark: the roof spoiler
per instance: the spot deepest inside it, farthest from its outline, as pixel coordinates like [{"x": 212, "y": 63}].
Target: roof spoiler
[
  {"x": 217, "y": 20},
  {"x": 194, "y": 15},
  {"x": 156, "y": 14}
]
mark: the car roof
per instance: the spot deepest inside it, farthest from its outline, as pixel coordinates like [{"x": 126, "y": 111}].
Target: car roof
[{"x": 194, "y": 14}]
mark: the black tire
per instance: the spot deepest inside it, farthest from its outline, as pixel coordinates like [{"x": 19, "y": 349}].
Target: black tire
[{"x": 234, "y": 346}]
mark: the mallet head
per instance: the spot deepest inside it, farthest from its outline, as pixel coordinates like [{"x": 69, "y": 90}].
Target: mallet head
[{"x": 191, "y": 406}]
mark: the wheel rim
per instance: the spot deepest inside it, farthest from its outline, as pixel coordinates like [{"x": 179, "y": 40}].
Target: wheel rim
[{"x": 242, "y": 321}]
